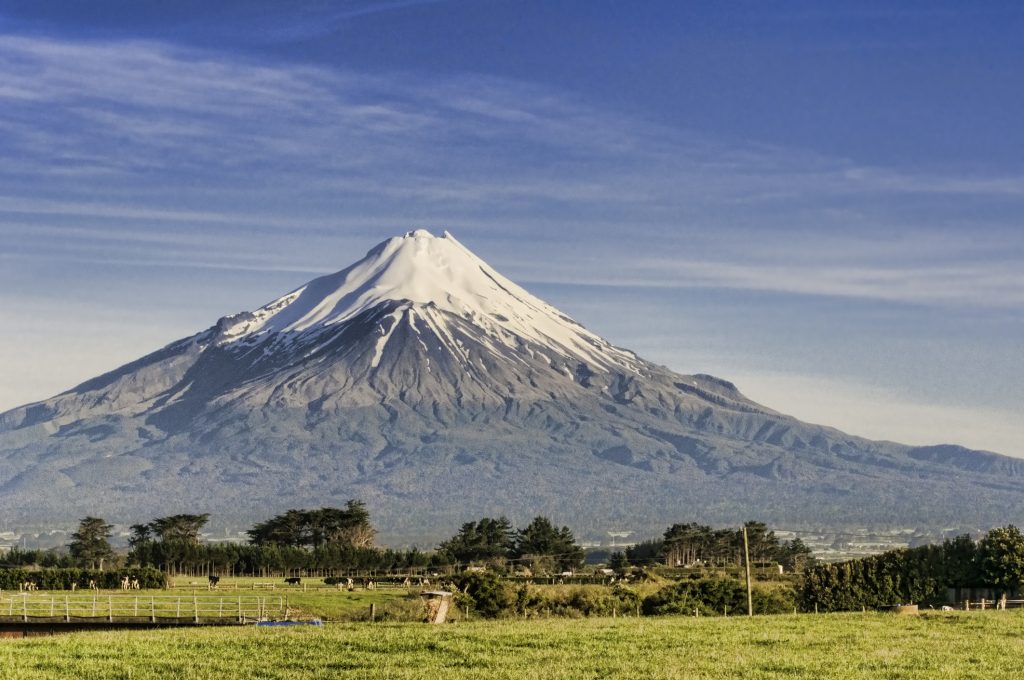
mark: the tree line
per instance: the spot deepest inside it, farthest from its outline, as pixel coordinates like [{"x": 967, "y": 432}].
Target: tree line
[
  {"x": 691, "y": 544},
  {"x": 919, "y": 575},
  {"x": 539, "y": 546},
  {"x": 329, "y": 540},
  {"x": 325, "y": 540}
]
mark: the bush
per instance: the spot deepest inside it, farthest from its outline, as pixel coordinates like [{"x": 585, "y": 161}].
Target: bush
[
  {"x": 575, "y": 602},
  {"x": 485, "y": 593},
  {"x": 775, "y": 601},
  {"x": 712, "y": 597}
]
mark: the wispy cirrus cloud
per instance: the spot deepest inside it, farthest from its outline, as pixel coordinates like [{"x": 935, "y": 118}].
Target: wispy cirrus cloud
[{"x": 171, "y": 138}]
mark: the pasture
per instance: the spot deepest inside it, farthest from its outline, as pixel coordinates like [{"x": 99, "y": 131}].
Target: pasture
[{"x": 949, "y": 645}]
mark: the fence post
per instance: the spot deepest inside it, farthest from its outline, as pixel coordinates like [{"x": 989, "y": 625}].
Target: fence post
[
  {"x": 373, "y": 611},
  {"x": 24, "y": 609},
  {"x": 152, "y": 609},
  {"x": 51, "y": 606},
  {"x": 67, "y": 610},
  {"x": 195, "y": 608},
  {"x": 177, "y": 614},
  {"x": 239, "y": 608},
  {"x": 110, "y": 608}
]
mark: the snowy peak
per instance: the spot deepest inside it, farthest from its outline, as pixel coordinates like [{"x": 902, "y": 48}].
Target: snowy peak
[{"x": 437, "y": 275}]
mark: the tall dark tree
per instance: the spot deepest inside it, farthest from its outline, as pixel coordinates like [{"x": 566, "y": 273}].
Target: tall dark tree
[
  {"x": 618, "y": 562},
  {"x": 794, "y": 555},
  {"x": 762, "y": 542},
  {"x": 179, "y": 528},
  {"x": 1001, "y": 555},
  {"x": 542, "y": 539},
  {"x": 685, "y": 544},
  {"x": 645, "y": 553},
  {"x": 961, "y": 562},
  {"x": 485, "y": 540},
  {"x": 290, "y": 528},
  {"x": 141, "y": 533},
  {"x": 348, "y": 526},
  {"x": 90, "y": 545}
]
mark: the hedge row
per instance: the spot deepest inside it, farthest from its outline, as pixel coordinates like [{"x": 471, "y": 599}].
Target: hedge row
[
  {"x": 62, "y": 579},
  {"x": 916, "y": 575},
  {"x": 712, "y": 597}
]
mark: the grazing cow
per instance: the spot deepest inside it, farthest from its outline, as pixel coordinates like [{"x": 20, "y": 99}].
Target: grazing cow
[
  {"x": 213, "y": 581},
  {"x": 92, "y": 585},
  {"x": 293, "y": 580},
  {"x": 135, "y": 584},
  {"x": 126, "y": 583}
]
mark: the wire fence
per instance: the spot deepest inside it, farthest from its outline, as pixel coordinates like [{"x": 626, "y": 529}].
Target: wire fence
[{"x": 25, "y": 607}]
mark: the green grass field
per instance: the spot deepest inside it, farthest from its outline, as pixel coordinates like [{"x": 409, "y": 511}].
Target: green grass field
[{"x": 946, "y": 645}]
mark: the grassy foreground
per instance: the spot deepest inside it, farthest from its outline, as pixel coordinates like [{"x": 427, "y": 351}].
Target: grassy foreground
[{"x": 975, "y": 645}]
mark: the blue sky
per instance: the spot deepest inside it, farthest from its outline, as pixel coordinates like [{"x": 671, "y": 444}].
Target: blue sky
[{"x": 821, "y": 202}]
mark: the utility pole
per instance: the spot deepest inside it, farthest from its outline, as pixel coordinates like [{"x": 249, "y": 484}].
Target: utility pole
[{"x": 746, "y": 563}]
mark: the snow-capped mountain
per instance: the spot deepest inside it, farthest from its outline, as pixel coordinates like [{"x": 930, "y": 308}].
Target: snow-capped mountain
[
  {"x": 425, "y": 382},
  {"x": 431, "y": 280}
]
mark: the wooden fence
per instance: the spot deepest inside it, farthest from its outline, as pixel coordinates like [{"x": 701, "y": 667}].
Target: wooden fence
[{"x": 983, "y": 604}]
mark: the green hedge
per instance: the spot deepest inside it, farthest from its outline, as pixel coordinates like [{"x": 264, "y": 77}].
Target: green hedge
[
  {"x": 61, "y": 579},
  {"x": 917, "y": 575},
  {"x": 713, "y": 597},
  {"x": 575, "y": 602}
]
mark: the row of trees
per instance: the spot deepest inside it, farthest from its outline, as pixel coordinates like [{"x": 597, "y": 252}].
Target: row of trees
[
  {"x": 296, "y": 539},
  {"x": 326, "y": 539},
  {"x": 919, "y": 575},
  {"x": 540, "y": 546},
  {"x": 316, "y": 528},
  {"x": 175, "y": 528},
  {"x": 691, "y": 544},
  {"x": 90, "y": 545},
  {"x": 339, "y": 538},
  {"x": 227, "y": 559}
]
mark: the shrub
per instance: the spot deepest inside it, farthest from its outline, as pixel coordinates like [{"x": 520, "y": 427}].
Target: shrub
[
  {"x": 485, "y": 593},
  {"x": 712, "y": 597}
]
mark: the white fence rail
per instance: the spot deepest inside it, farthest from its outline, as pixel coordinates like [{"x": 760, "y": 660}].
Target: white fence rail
[
  {"x": 992, "y": 604},
  {"x": 140, "y": 608}
]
